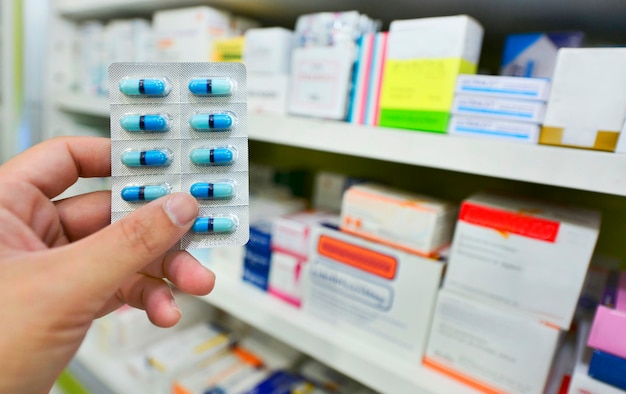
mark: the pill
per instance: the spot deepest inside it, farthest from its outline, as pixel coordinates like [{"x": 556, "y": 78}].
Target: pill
[
  {"x": 211, "y": 122},
  {"x": 144, "y": 87},
  {"x": 208, "y": 190},
  {"x": 213, "y": 225},
  {"x": 212, "y": 156},
  {"x": 144, "y": 193},
  {"x": 210, "y": 86},
  {"x": 154, "y": 123},
  {"x": 153, "y": 158}
]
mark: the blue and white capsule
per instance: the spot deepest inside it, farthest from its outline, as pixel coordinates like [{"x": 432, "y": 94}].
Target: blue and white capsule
[
  {"x": 219, "y": 121},
  {"x": 217, "y": 156},
  {"x": 153, "y": 87},
  {"x": 135, "y": 193},
  {"x": 213, "y": 86},
  {"x": 212, "y": 190},
  {"x": 151, "y": 123},
  {"x": 214, "y": 224},
  {"x": 147, "y": 158}
]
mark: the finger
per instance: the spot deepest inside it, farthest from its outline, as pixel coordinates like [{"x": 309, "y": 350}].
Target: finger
[
  {"x": 56, "y": 164},
  {"x": 85, "y": 214},
  {"x": 152, "y": 295},
  {"x": 184, "y": 271},
  {"x": 102, "y": 261}
]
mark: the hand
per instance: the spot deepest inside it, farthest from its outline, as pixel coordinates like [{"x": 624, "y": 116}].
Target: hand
[{"x": 62, "y": 265}]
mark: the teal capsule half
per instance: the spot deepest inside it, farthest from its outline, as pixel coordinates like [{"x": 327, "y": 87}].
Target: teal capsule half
[
  {"x": 144, "y": 87},
  {"x": 207, "y": 225},
  {"x": 146, "y": 158},
  {"x": 211, "y": 86},
  {"x": 212, "y": 190},
  {"x": 143, "y": 193},
  {"x": 155, "y": 123},
  {"x": 211, "y": 122},
  {"x": 212, "y": 156}
]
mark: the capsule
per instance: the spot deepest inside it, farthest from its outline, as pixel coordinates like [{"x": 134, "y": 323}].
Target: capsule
[
  {"x": 211, "y": 86},
  {"x": 211, "y": 122},
  {"x": 210, "y": 191},
  {"x": 206, "y": 225},
  {"x": 148, "y": 158},
  {"x": 144, "y": 193},
  {"x": 155, "y": 123},
  {"x": 212, "y": 156},
  {"x": 144, "y": 87}
]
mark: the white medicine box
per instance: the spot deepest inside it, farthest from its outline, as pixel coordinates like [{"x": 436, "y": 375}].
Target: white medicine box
[
  {"x": 522, "y": 254},
  {"x": 378, "y": 295},
  {"x": 268, "y": 50}
]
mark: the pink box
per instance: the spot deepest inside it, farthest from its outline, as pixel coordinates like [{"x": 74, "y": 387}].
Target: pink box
[{"x": 609, "y": 324}]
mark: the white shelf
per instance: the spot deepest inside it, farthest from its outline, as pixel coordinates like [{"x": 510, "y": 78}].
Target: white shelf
[
  {"x": 570, "y": 168},
  {"x": 371, "y": 366}
]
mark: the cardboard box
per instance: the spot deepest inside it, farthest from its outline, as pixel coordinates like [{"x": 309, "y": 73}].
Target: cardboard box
[
  {"x": 285, "y": 277},
  {"x": 267, "y": 93},
  {"x": 523, "y": 254},
  {"x": 329, "y": 188},
  {"x": 534, "y": 54},
  {"x": 609, "y": 323},
  {"x": 268, "y": 50},
  {"x": 291, "y": 234},
  {"x": 608, "y": 368},
  {"x": 491, "y": 349},
  {"x": 424, "y": 58},
  {"x": 411, "y": 222},
  {"x": 187, "y": 34},
  {"x": 228, "y": 49},
  {"x": 476, "y": 127},
  {"x": 517, "y": 88},
  {"x": 497, "y": 108},
  {"x": 320, "y": 81},
  {"x": 587, "y": 104},
  {"x": 375, "y": 293}
]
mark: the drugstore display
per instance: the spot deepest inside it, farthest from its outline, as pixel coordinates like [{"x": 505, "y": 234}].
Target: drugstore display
[{"x": 375, "y": 261}]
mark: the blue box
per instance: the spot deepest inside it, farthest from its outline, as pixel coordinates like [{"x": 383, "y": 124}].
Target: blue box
[
  {"x": 280, "y": 382},
  {"x": 608, "y": 368},
  {"x": 256, "y": 278},
  {"x": 534, "y": 54},
  {"x": 260, "y": 236}
]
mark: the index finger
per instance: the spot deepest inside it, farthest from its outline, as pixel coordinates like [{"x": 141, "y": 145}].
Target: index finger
[{"x": 54, "y": 165}]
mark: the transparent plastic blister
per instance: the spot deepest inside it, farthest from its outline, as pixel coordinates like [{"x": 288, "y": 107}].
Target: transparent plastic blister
[{"x": 182, "y": 127}]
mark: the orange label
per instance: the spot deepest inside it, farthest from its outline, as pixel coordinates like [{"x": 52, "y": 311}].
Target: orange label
[
  {"x": 510, "y": 222},
  {"x": 358, "y": 257}
]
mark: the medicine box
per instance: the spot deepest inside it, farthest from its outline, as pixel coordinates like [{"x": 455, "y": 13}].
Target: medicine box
[
  {"x": 228, "y": 49},
  {"x": 522, "y": 254},
  {"x": 493, "y": 349},
  {"x": 518, "y": 88},
  {"x": 291, "y": 234},
  {"x": 377, "y": 294},
  {"x": 608, "y": 369},
  {"x": 477, "y": 127},
  {"x": 268, "y": 93},
  {"x": 187, "y": 34},
  {"x": 609, "y": 323},
  {"x": 268, "y": 50},
  {"x": 285, "y": 277},
  {"x": 329, "y": 188},
  {"x": 411, "y": 222},
  {"x": 534, "y": 54},
  {"x": 424, "y": 58},
  {"x": 320, "y": 81},
  {"x": 497, "y": 108},
  {"x": 587, "y": 104}
]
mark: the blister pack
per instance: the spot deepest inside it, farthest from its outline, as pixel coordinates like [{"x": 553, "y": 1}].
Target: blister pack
[{"x": 182, "y": 127}]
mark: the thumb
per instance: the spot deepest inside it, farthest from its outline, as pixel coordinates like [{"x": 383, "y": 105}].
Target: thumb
[{"x": 106, "y": 258}]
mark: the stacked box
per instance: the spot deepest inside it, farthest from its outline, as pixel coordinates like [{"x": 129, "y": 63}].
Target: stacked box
[
  {"x": 424, "y": 58},
  {"x": 258, "y": 254},
  {"x": 514, "y": 277},
  {"x": 496, "y": 107}
]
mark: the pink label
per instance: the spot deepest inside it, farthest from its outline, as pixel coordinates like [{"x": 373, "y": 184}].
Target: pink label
[
  {"x": 284, "y": 296},
  {"x": 620, "y": 302}
]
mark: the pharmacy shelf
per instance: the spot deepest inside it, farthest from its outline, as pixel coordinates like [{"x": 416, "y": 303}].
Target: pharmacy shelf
[
  {"x": 570, "y": 168},
  {"x": 373, "y": 367}
]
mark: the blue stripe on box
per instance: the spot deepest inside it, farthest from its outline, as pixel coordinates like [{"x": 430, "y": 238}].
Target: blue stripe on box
[
  {"x": 489, "y": 132},
  {"x": 496, "y": 112},
  {"x": 505, "y": 91}
]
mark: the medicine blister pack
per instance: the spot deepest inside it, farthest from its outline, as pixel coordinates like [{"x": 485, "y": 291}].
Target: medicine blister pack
[{"x": 182, "y": 127}]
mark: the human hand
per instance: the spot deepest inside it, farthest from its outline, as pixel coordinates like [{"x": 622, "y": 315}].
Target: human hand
[{"x": 62, "y": 265}]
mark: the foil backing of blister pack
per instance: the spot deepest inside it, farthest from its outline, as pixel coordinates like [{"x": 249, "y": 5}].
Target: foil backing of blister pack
[{"x": 219, "y": 130}]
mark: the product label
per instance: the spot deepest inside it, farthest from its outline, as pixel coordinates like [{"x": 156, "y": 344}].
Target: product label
[
  {"x": 510, "y": 222},
  {"x": 358, "y": 257}
]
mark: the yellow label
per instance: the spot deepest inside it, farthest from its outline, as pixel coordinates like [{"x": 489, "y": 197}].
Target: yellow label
[
  {"x": 228, "y": 50},
  {"x": 422, "y": 84}
]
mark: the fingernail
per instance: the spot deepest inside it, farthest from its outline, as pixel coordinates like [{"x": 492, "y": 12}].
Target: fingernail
[
  {"x": 181, "y": 209},
  {"x": 174, "y": 306}
]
